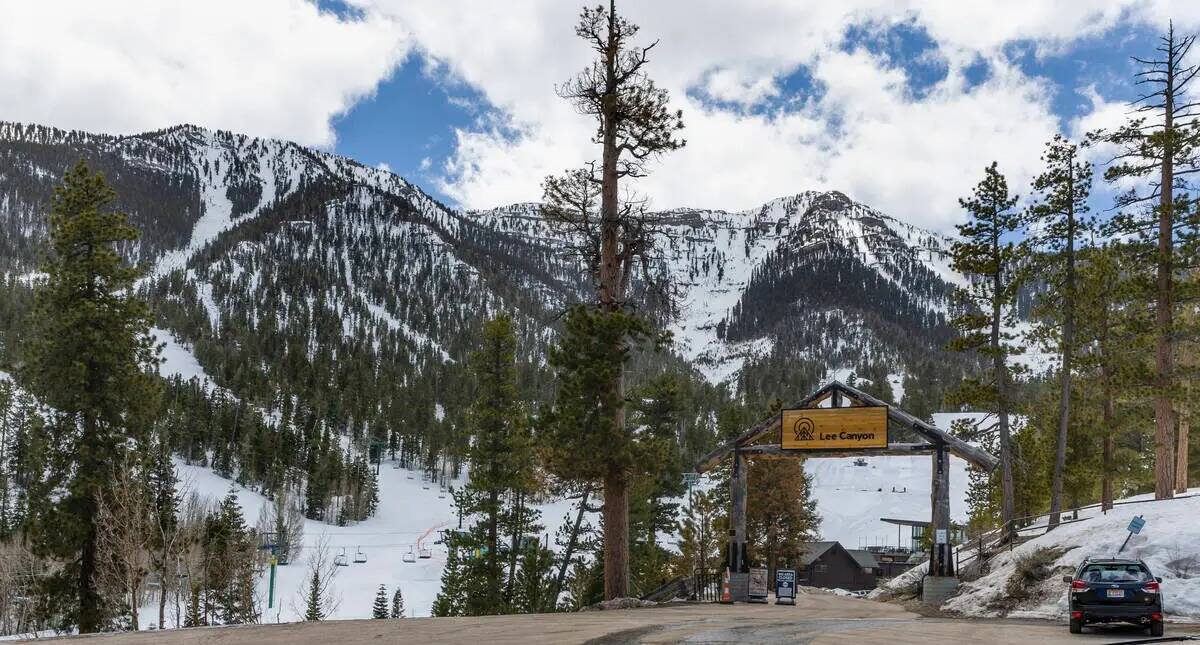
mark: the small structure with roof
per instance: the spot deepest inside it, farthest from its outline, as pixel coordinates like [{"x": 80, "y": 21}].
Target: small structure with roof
[{"x": 831, "y": 566}]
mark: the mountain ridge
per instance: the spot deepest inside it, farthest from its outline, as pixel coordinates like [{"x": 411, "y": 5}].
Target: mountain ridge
[{"x": 225, "y": 216}]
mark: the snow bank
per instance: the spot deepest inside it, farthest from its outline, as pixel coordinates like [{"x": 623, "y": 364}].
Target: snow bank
[{"x": 1169, "y": 544}]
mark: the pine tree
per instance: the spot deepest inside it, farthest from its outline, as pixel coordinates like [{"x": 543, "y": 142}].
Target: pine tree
[
  {"x": 781, "y": 514},
  {"x": 229, "y": 553},
  {"x": 89, "y": 357},
  {"x": 1114, "y": 364},
  {"x": 314, "y": 606},
  {"x": 165, "y": 510},
  {"x": 380, "y": 609},
  {"x": 588, "y": 439},
  {"x": 633, "y": 125},
  {"x": 987, "y": 254},
  {"x": 451, "y": 598},
  {"x": 699, "y": 537},
  {"x": 397, "y": 604},
  {"x": 194, "y": 617},
  {"x": 1059, "y": 217},
  {"x": 1160, "y": 153},
  {"x": 653, "y": 508},
  {"x": 495, "y": 420}
]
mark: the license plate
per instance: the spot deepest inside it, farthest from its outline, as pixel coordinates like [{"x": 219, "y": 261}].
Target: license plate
[{"x": 1116, "y": 593}]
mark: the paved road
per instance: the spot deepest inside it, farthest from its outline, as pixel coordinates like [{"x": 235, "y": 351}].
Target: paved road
[{"x": 817, "y": 619}]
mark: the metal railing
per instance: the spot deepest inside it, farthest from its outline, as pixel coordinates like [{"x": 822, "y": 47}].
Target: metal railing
[{"x": 706, "y": 584}]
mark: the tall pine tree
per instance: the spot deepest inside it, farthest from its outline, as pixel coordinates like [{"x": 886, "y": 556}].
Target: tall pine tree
[
  {"x": 1060, "y": 221},
  {"x": 89, "y": 358},
  {"x": 1159, "y": 149},
  {"x": 633, "y": 125},
  {"x": 987, "y": 254}
]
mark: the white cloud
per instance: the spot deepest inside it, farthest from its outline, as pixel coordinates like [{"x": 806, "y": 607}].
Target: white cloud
[
  {"x": 867, "y": 135},
  {"x": 282, "y": 68},
  {"x": 268, "y": 67}
]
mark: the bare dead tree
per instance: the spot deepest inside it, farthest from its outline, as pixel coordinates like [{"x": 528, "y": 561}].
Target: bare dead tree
[
  {"x": 285, "y": 519},
  {"x": 317, "y": 599},
  {"x": 125, "y": 535}
]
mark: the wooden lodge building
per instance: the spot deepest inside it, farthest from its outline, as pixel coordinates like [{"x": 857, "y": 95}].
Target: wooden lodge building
[{"x": 832, "y": 566}]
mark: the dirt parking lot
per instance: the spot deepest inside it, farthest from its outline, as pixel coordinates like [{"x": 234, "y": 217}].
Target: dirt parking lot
[{"x": 817, "y": 618}]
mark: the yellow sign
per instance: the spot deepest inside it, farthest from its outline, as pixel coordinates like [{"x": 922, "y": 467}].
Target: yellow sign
[{"x": 834, "y": 428}]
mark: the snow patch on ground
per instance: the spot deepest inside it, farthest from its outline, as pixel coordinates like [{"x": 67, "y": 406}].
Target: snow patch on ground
[
  {"x": 1169, "y": 544},
  {"x": 409, "y": 517},
  {"x": 177, "y": 358}
]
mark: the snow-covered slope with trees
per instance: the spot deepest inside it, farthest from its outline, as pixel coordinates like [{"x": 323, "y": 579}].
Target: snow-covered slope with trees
[
  {"x": 1169, "y": 544},
  {"x": 314, "y": 310}
]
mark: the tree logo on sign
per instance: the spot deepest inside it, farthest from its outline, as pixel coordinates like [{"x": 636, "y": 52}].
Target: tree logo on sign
[{"x": 803, "y": 429}]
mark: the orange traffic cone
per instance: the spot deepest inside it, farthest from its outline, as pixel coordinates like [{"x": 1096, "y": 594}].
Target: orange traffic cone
[{"x": 726, "y": 597}]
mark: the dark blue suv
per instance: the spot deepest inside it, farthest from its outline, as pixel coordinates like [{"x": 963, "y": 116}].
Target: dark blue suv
[{"x": 1113, "y": 590}]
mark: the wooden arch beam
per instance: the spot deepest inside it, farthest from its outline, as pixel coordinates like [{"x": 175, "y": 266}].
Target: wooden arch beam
[{"x": 934, "y": 435}]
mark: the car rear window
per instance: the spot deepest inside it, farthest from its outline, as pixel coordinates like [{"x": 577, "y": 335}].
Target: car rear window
[{"x": 1115, "y": 573}]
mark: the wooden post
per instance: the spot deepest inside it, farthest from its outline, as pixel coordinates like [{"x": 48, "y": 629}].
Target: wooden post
[
  {"x": 940, "y": 563},
  {"x": 737, "y": 514}
]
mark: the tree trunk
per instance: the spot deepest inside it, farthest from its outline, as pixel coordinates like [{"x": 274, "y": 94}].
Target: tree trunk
[
  {"x": 1164, "y": 423},
  {"x": 493, "y": 568},
  {"x": 133, "y": 602},
  {"x": 516, "y": 544},
  {"x": 616, "y": 484},
  {"x": 570, "y": 549},
  {"x": 1068, "y": 343},
  {"x": 90, "y": 618},
  {"x": 616, "y": 536},
  {"x": 1181, "y": 451},
  {"x": 1000, "y": 367},
  {"x": 162, "y": 599}
]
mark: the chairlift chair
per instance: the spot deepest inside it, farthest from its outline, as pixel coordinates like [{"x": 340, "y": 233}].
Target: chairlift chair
[
  {"x": 426, "y": 554},
  {"x": 395, "y": 465},
  {"x": 410, "y": 556},
  {"x": 360, "y": 557},
  {"x": 340, "y": 559}
]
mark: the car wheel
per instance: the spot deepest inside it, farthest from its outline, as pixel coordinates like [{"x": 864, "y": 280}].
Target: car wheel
[
  {"x": 1156, "y": 628},
  {"x": 1076, "y": 626}
]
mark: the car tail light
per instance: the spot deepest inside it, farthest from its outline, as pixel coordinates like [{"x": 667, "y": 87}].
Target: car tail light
[
  {"x": 1156, "y": 617},
  {"x": 1150, "y": 587},
  {"x": 1077, "y": 615},
  {"x": 1078, "y": 584}
]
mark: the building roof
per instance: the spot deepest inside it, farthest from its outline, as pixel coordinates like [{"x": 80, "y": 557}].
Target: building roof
[
  {"x": 813, "y": 551},
  {"x": 917, "y": 523},
  {"x": 865, "y": 559}
]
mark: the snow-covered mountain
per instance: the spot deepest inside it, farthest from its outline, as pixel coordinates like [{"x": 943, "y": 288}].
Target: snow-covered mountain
[
  {"x": 252, "y": 231},
  {"x": 341, "y": 300}
]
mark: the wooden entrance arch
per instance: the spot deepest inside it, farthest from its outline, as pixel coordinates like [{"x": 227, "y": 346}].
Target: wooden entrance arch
[{"x": 939, "y": 444}]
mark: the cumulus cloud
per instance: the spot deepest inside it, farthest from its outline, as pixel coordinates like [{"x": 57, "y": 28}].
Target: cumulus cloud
[
  {"x": 861, "y": 130},
  {"x": 284, "y": 68},
  {"x": 279, "y": 68}
]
